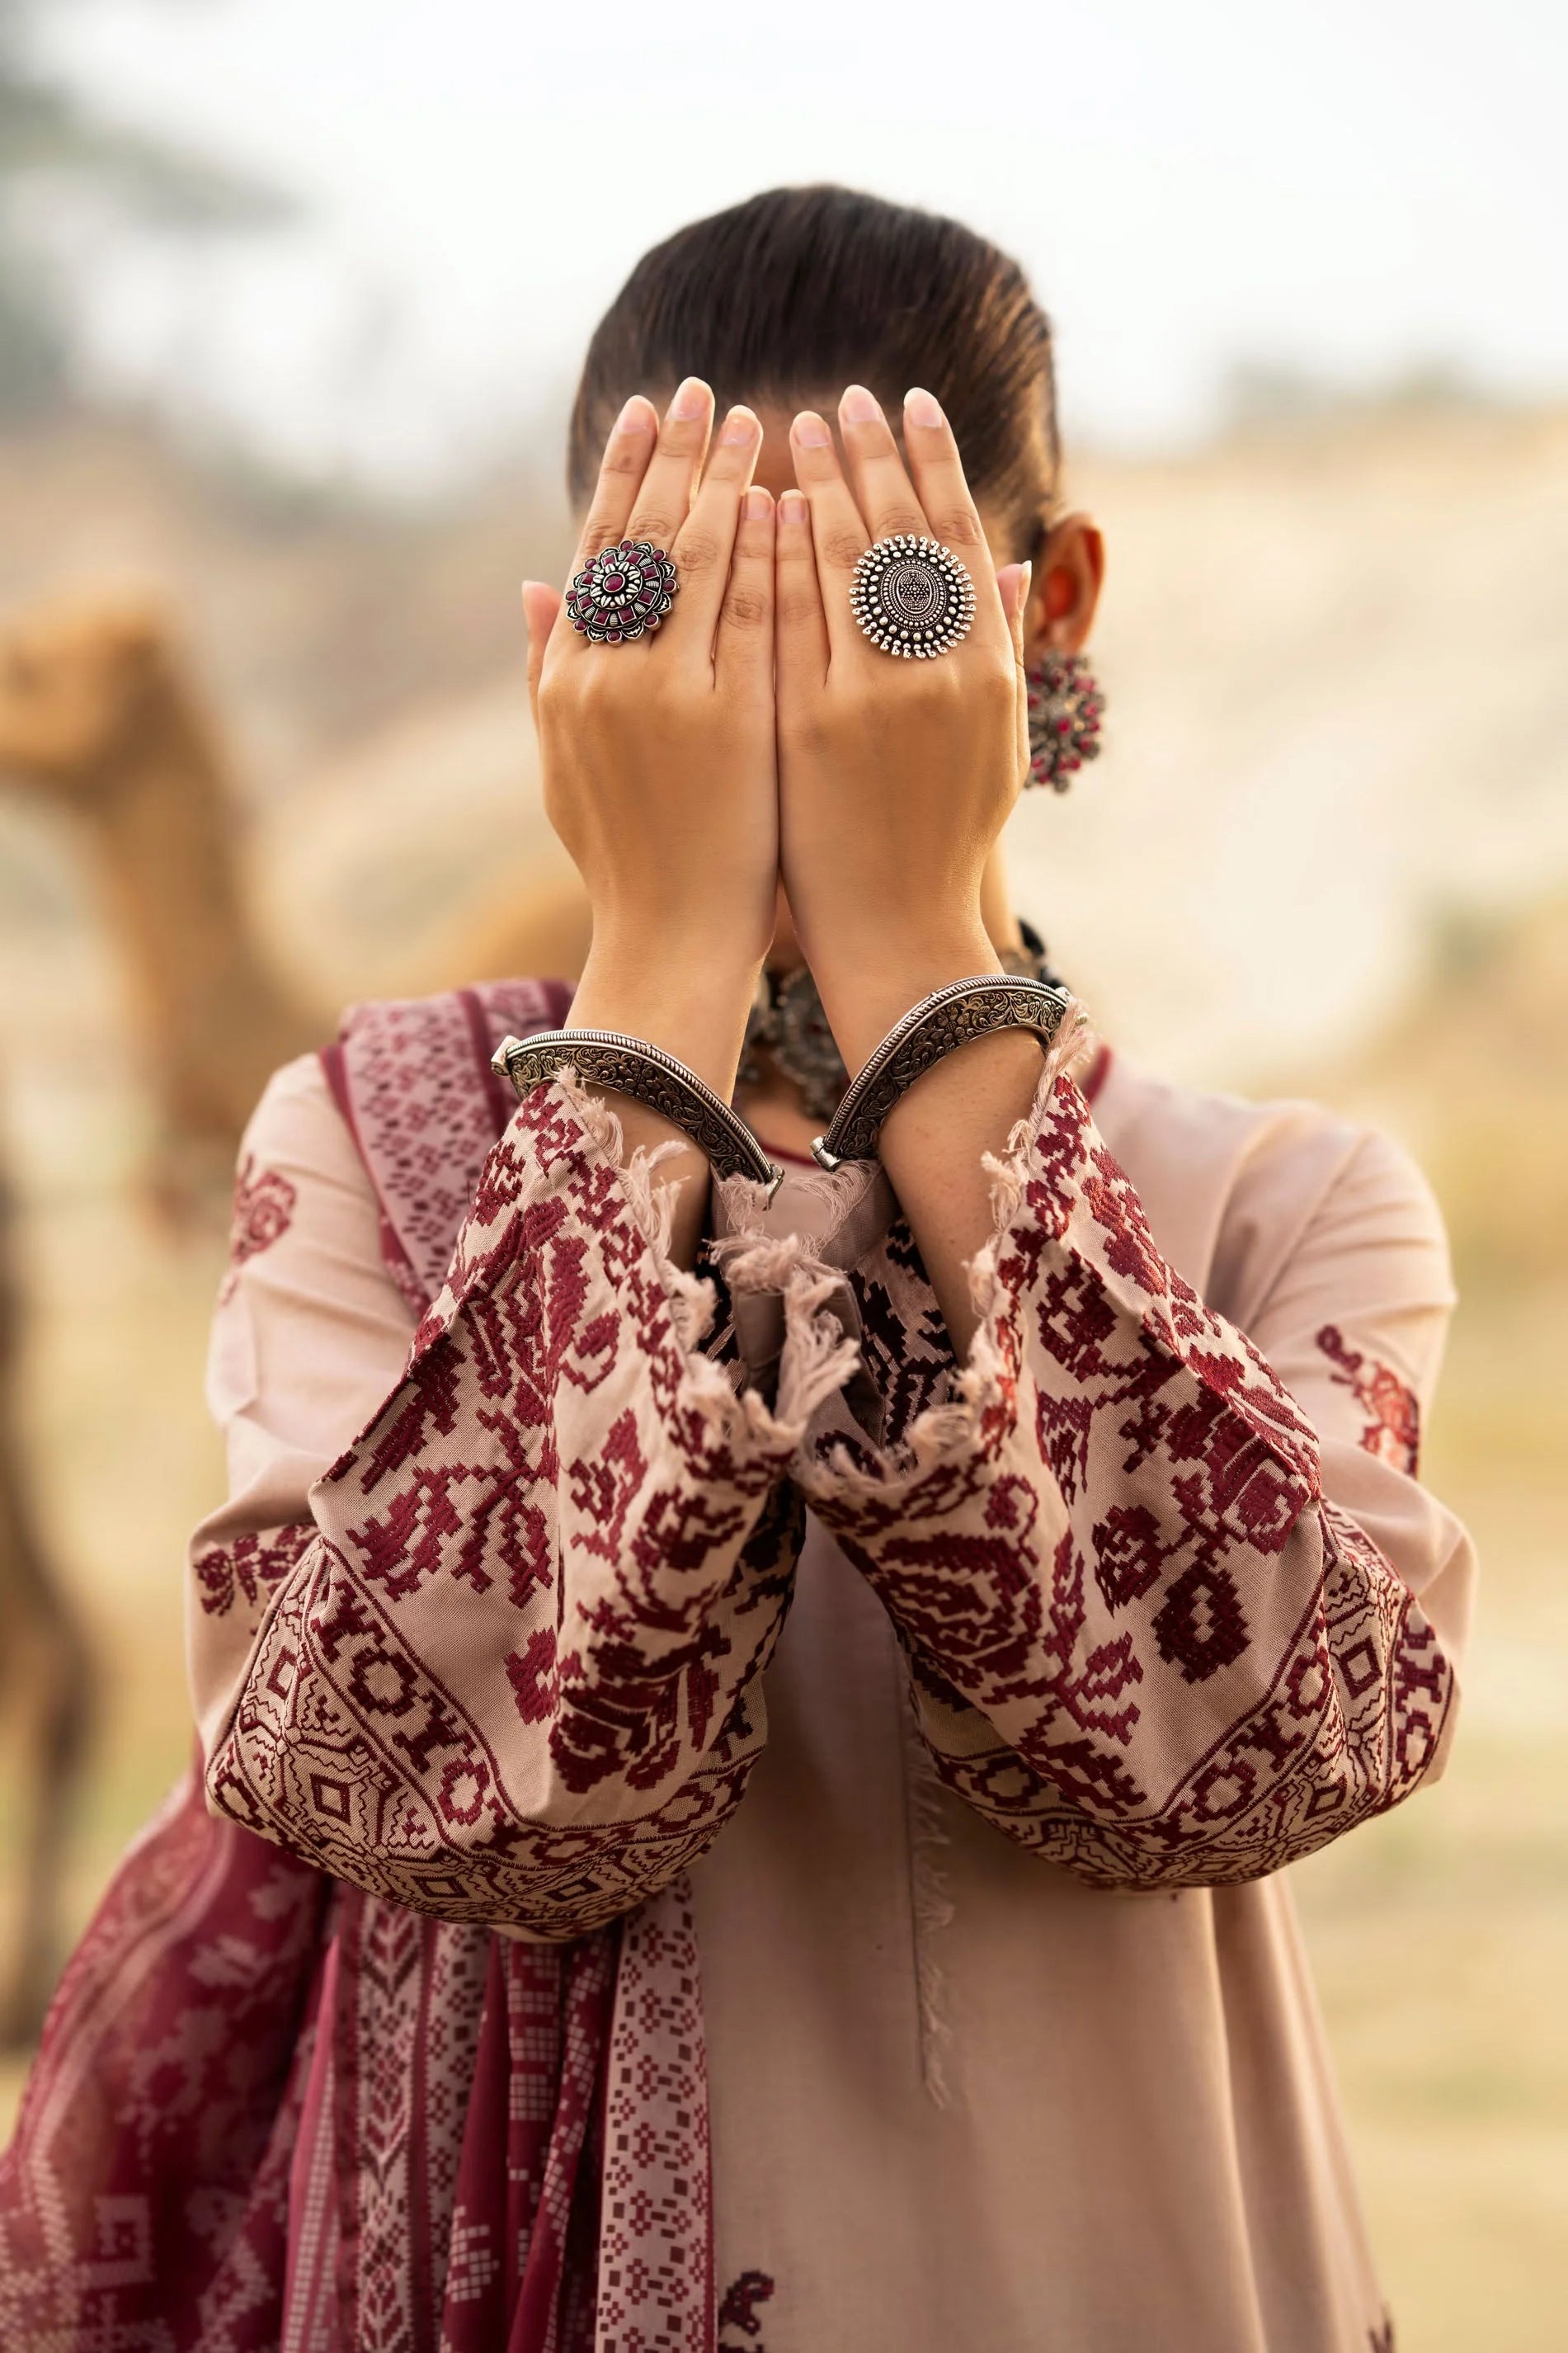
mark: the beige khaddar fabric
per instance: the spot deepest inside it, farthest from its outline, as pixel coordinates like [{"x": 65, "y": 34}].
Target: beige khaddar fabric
[{"x": 1010, "y": 2044}]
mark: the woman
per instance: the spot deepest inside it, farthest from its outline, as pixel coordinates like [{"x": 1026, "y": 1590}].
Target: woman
[{"x": 750, "y": 1735}]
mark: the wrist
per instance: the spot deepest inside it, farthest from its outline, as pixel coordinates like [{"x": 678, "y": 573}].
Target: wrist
[
  {"x": 694, "y": 1004},
  {"x": 864, "y": 993}
]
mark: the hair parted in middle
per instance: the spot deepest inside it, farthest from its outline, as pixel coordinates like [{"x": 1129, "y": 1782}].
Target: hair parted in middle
[{"x": 796, "y": 293}]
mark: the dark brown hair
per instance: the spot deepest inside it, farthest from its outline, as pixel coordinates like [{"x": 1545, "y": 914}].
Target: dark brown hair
[{"x": 802, "y": 290}]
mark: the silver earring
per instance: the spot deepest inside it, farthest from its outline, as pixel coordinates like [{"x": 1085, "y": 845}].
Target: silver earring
[{"x": 1066, "y": 707}]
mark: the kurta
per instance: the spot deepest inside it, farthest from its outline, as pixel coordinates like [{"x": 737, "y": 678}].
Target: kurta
[{"x": 973, "y": 1714}]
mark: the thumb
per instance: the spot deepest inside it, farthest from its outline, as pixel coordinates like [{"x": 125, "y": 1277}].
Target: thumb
[
  {"x": 540, "y": 610},
  {"x": 1013, "y": 580}
]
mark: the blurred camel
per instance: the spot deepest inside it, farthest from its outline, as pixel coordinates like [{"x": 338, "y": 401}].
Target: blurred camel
[
  {"x": 46, "y": 1690},
  {"x": 96, "y": 713},
  {"x": 100, "y": 712}
]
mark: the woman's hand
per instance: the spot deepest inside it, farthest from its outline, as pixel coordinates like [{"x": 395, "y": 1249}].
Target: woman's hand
[
  {"x": 895, "y": 778},
  {"x": 658, "y": 756}
]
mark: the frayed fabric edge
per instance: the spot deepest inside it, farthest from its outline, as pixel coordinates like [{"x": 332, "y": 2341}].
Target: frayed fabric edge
[
  {"x": 818, "y": 1356},
  {"x": 981, "y": 1385},
  {"x": 818, "y": 1359}
]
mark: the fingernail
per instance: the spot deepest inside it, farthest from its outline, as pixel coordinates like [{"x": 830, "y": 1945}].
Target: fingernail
[
  {"x": 756, "y": 505},
  {"x": 1026, "y": 571},
  {"x": 793, "y": 507},
  {"x": 922, "y": 408},
  {"x": 740, "y": 425},
  {"x": 810, "y": 431},
  {"x": 860, "y": 406},
  {"x": 635, "y": 416},
  {"x": 690, "y": 400}
]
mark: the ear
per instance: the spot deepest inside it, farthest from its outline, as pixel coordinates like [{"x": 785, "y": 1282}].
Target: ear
[{"x": 1068, "y": 572}]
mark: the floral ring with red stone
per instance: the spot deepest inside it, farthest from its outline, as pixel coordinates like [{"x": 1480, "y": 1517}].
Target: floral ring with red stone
[{"x": 622, "y": 593}]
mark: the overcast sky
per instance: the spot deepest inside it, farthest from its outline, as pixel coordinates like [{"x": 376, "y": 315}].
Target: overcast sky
[{"x": 1354, "y": 188}]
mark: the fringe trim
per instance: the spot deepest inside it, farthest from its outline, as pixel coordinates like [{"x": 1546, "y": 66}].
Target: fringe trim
[
  {"x": 818, "y": 1359},
  {"x": 950, "y": 1429}
]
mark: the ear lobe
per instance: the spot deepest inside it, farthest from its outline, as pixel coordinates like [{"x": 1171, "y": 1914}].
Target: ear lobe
[{"x": 1068, "y": 576}]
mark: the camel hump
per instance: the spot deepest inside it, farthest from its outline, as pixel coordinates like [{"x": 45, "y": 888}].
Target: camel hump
[{"x": 412, "y": 1077}]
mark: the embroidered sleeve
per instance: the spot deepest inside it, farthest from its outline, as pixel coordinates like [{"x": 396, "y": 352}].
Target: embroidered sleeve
[
  {"x": 1150, "y": 1596},
  {"x": 504, "y": 1666}
]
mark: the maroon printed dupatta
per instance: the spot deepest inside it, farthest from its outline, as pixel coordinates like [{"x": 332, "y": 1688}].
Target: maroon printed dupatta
[{"x": 273, "y": 2114}]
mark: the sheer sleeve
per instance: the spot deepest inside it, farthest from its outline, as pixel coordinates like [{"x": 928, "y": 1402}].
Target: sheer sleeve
[
  {"x": 1176, "y": 1610},
  {"x": 482, "y": 1624}
]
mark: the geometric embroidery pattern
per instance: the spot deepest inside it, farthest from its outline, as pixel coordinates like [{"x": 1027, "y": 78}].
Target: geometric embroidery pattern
[
  {"x": 511, "y": 1670},
  {"x": 1121, "y": 1492}
]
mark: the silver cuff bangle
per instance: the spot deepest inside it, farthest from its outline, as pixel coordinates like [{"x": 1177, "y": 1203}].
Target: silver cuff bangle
[
  {"x": 936, "y": 1027},
  {"x": 630, "y": 1066}
]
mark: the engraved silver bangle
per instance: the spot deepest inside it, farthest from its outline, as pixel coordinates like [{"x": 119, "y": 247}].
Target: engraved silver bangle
[
  {"x": 936, "y": 1027},
  {"x": 630, "y": 1066}
]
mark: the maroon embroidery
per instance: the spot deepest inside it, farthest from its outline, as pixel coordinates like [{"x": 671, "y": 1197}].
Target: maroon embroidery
[
  {"x": 143, "y": 2199},
  {"x": 264, "y": 1203},
  {"x": 1393, "y": 1432},
  {"x": 246, "y": 1569},
  {"x": 270, "y": 2109},
  {"x": 356, "y": 2168},
  {"x": 1199, "y": 1625},
  {"x": 738, "y": 2309},
  {"x": 1191, "y": 1667}
]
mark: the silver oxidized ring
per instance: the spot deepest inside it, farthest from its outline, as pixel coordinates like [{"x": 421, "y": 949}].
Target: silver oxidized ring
[
  {"x": 912, "y": 597},
  {"x": 622, "y": 593}
]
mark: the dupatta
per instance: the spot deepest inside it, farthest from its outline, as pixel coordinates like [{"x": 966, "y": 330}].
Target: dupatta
[{"x": 272, "y": 2113}]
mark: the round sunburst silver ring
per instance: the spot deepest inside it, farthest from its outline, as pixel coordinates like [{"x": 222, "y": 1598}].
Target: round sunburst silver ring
[{"x": 912, "y": 597}]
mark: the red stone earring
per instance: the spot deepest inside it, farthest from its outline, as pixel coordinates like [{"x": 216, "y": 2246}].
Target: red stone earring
[{"x": 1065, "y": 706}]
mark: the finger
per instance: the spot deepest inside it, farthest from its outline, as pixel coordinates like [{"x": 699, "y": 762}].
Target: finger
[
  {"x": 664, "y": 498},
  {"x": 800, "y": 625},
  {"x": 627, "y": 453},
  {"x": 882, "y": 489},
  {"x": 743, "y": 648},
  {"x": 705, "y": 544},
  {"x": 838, "y": 534},
  {"x": 541, "y": 609},
  {"x": 937, "y": 471}
]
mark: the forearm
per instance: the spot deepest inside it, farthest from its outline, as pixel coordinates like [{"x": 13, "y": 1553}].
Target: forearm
[
  {"x": 525, "y": 1603},
  {"x": 1112, "y": 1557}
]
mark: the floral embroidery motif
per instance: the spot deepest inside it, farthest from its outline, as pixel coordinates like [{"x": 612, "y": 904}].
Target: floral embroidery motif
[
  {"x": 1172, "y": 1661},
  {"x": 738, "y": 2309},
  {"x": 615, "y": 1518},
  {"x": 1393, "y": 1432},
  {"x": 1141, "y": 1641},
  {"x": 263, "y": 1201},
  {"x": 249, "y": 1568}
]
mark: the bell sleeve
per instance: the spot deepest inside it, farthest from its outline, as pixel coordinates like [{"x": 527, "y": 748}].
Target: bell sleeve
[
  {"x": 482, "y": 1624},
  {"x": 1176, "y": 1609}
]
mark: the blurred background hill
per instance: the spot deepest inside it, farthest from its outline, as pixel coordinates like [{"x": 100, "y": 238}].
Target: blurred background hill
[{"x": 1327, "y": 850}]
